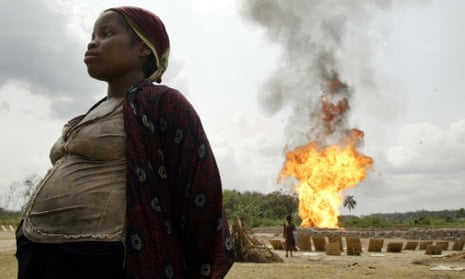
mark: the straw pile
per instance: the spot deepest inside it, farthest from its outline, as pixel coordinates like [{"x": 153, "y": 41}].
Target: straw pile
[
  {"x": 336, "y": 238},
  {"x": 277, "y": 244},
  {"x": 444, "y": 245},
  {"x": 411, "y": 245},
  {"x": 375, "y": 245},
  {"x": 394, "y": 247},
  {"x": 333, "y": 248},
  {"x": 423, "y": 244},
  {"x": 458, "y": 245},
  {"x": 319, "y": 242},
  {"x": 433, "y": 250},
  {"x": 249, "y": 249},
  {"x": 354, "y": 246},
  {"x": 305, "y": 243}
]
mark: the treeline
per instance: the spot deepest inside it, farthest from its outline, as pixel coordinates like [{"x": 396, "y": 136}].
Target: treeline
[
  {"x": 422, "y": 214},
  {"x": 258, "y": 209},
  {"x": 8, "y": 217},
  {"x": 421, "y": 218},
  {"x": 261, "y": 210}
]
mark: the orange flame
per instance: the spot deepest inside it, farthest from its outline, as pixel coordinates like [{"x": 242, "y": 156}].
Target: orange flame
[{"x": 324, "y": 172}]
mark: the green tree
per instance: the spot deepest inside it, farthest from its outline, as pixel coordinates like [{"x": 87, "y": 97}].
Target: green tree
[
  {"x": 350, "y": 203},
  {"x": 461, "y": 212},
  {"x": 257, "y": 209}
]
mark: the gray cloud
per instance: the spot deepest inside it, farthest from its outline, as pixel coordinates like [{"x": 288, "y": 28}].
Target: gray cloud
[
  {"x": 44, "y": 45},
  {"x": 427, "y": 149},
  {"x": 41, "y": 50},
  {"x": 4, "y": 106},
  {"x": 313, "y": 35},
  {"x": 388, "y": 192},
  {"x": 422, "y": 169}
]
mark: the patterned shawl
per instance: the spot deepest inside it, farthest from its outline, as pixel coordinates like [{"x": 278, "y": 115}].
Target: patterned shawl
[{"x": 176, "y": 225}]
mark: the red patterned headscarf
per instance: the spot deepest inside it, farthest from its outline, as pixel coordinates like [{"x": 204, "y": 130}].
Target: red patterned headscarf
[{"x": 151, "y": 30}]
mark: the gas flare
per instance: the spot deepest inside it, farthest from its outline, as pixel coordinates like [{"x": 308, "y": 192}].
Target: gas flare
[
  {"x": 311, "y": 55},
  {"x": 323, "y": 170}
]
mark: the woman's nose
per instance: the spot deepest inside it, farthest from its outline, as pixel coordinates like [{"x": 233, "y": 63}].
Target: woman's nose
[{"x": 92, "y": 44}]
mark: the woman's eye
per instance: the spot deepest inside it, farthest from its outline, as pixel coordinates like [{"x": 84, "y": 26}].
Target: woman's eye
[{"x": 106, "y": 32}]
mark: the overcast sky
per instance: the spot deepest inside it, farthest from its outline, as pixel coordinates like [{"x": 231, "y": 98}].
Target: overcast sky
[{"x": 249, "y": 68}]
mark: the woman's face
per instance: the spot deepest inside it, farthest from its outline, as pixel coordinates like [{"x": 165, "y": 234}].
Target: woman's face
[{"x": 112, "y": 54}]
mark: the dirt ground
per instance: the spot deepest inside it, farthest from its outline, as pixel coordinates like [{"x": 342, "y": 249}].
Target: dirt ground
[{"x": 406, "y": 264}]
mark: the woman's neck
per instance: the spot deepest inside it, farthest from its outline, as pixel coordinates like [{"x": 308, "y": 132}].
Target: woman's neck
[{"x": 119, "y": 88}]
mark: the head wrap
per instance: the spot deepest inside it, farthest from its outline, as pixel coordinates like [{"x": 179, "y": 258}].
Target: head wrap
[{"x": 151, "y": 30}]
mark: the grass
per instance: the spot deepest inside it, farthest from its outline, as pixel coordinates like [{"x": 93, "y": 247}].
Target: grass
[
  {"x": 8, "y": 266},
  {"x": 10, "y": 219}
]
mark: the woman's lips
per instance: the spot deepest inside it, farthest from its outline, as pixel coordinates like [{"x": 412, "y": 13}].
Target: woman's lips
[{"x": 89, "y": 56}]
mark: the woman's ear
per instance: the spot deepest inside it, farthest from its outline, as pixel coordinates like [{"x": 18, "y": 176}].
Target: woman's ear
[{"x": 144, "y": 49}]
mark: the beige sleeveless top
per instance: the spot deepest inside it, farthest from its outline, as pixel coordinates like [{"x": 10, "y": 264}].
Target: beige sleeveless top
[{"x": 82, "y": 197}]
